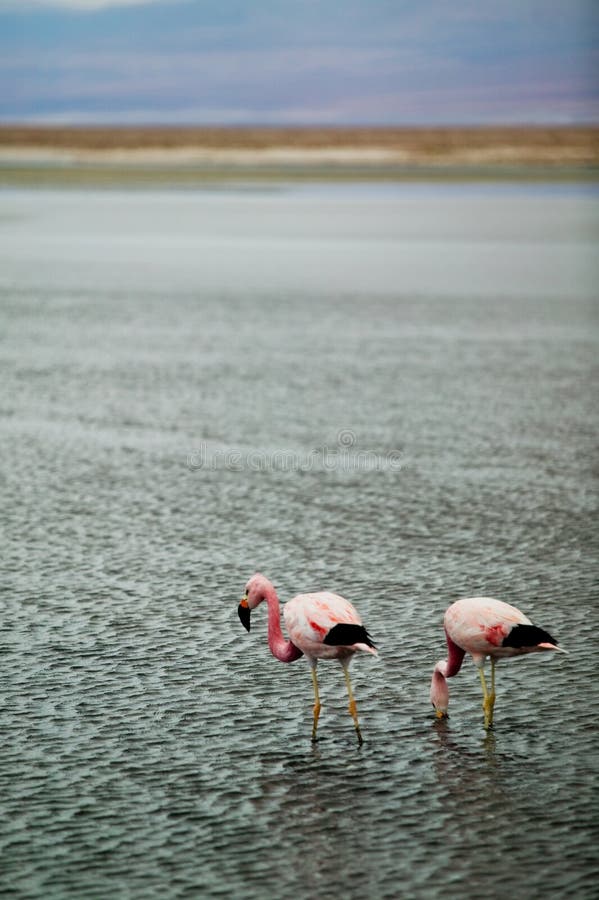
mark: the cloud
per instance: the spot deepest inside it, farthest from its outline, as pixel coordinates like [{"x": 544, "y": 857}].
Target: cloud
[{"x": 282, "y": 60}]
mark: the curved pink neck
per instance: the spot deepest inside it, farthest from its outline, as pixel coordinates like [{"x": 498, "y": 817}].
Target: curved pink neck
[
  {"x": 280, "y": 647},
  {"x": 444, "y": 669},
  {"x": 452, "y": 665}
]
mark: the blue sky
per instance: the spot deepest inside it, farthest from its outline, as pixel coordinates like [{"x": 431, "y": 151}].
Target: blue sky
[{"x": 285, "y": 62}]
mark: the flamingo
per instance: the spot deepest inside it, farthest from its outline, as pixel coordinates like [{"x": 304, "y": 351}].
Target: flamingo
[
  {"x": 321, "y": 626},
  {"x": 484, "y": 627}
]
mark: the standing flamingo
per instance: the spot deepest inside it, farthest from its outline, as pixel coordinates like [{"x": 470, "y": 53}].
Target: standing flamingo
[
  {"x": 484, "y": 627},
  {"x": 321, "y": 626}
]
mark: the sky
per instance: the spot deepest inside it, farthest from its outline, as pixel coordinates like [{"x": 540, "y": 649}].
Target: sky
[{"x": 299, "y": 62}]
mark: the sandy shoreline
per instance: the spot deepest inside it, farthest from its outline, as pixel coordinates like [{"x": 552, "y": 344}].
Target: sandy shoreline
[{"x": 25, "y": 152}]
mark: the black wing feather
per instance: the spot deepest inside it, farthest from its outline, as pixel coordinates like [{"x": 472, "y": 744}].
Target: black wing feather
[
  {"x": 345, "y": 635},
  {"x": 527, "y": 636}
]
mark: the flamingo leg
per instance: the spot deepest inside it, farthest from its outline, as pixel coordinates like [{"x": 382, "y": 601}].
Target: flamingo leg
[
  {"x": 316, "y": 703},
  {"x": 353, "y": 709},
  {"x": 488, "y": 698},
  {"x": 492, "y": 694}
]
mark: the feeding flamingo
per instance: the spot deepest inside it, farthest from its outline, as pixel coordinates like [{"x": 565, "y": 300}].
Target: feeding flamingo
[
  {"x": 321, "y": 626},
  {"x": 484, "y": 627}
]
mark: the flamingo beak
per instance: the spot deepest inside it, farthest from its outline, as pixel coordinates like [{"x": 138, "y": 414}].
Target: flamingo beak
[{"x": 244, "y": 613}]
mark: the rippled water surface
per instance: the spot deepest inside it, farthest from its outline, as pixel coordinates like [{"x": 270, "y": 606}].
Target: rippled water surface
[{"x": 384, "y": 392}]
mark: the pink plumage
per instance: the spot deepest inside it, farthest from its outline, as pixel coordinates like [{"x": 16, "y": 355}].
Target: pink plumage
[
  {"x": 320, "y": 626},
  {"x": 484, "y": 627}
]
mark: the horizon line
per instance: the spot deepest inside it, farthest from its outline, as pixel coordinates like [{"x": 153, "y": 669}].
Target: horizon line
[{"x": 299, "y": 126}]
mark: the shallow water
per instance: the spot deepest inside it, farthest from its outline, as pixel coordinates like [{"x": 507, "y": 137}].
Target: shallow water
[{"x": 380, "y": 391}]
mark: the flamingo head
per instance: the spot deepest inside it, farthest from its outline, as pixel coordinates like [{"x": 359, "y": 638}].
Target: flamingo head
[
  {"x": 440, "y": 694},
  {"x": 255, "y": 591}
]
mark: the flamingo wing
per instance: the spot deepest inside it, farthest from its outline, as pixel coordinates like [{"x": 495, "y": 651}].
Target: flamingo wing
[
  {"x": 481, "y": 625},
  {"x": 323, "y": 624}
]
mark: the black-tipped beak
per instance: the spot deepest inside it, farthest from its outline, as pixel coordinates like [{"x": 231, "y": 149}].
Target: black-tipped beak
[{"x": 244, "y": 614}]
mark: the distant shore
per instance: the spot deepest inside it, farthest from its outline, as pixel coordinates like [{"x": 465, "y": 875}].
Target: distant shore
[{"x": 39, "y": 155}]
